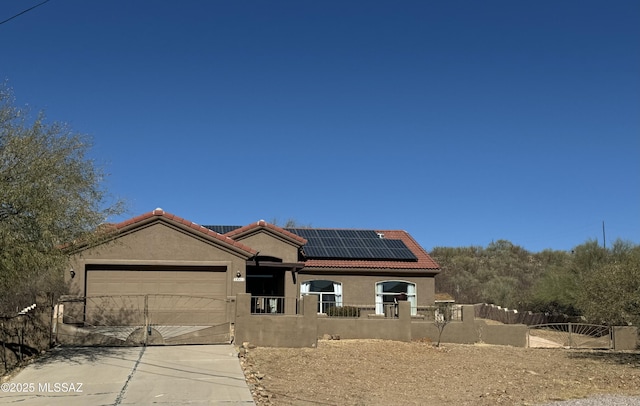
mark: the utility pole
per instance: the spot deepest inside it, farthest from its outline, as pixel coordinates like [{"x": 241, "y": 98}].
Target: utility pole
[{"x": 604, "y": 238}]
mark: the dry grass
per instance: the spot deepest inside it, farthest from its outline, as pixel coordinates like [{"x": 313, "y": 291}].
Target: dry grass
[{"x": 378, "y": 372}]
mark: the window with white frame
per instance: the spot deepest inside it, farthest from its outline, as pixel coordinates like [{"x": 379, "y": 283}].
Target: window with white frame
[
  {"x": 329, "y": 293},
  {"x": 388, "y": 293}
]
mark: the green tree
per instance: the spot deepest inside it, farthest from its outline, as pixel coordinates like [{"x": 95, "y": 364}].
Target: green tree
[
  {"x": 587, "y": 257},
  {"x": 610, "y": 292},
  {"x": 600, "y": 284},
  {"x": 459, "y": 272},
  {"x": 555, "y": 290},
  {"x": 502, "y": 273},
  {"x": 50, "y": 195}
]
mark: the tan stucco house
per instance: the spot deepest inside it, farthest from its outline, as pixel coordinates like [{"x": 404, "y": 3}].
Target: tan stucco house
[{"x": 164, "y": 267}]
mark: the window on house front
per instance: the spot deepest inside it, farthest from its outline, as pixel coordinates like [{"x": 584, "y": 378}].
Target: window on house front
[
  {"x": 388, "y": 293},
  {"x": 329, "y": 293}
]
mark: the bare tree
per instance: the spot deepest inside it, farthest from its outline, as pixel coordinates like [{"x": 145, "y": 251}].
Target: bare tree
[{"x": 442, "y": 316}]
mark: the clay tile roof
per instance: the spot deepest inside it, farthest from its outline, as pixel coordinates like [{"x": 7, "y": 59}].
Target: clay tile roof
[
  {"x": 263, "y": 224},
  {"x": 423, "y": 262},
  {"x": 179, "y": 220}
]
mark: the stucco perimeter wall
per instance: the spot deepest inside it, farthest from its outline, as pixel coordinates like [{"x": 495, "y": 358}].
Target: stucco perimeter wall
[
  {"x": 625, "y": 338},
  {"x": 502, "y": 334},
  {"x": 375, "y": 327},
  {"x": 278, "y": 330},
  {"x": 304, "y": 330},
  {"x": 471, "y": 331}
]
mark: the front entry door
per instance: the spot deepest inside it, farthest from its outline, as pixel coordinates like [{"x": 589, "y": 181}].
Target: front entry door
[{"x": 266, "y": 286}]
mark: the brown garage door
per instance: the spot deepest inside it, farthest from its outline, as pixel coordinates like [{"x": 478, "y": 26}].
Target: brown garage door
[{"x": 179, "y": 304}]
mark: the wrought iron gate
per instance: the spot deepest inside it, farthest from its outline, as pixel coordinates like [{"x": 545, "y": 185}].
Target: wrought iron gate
[
  {"x": 570, "y": 335},
  {"x": 131, "y": 320}
]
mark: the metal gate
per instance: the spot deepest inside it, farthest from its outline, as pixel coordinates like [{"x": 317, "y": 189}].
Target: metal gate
[
  {"x": 131, "y": 320},
  {"x": 570, "y": 335}
]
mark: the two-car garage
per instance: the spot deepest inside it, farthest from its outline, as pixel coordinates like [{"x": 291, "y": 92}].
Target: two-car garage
[
  {"x": 157, "y": 277},
  {"x": 165, "y": 295}
]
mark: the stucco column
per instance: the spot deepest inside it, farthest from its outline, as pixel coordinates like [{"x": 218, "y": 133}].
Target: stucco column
[
  {"x": 290, "y": 291},
  {"x": 243, "y": 313},
  {"x": 243, "y": 304},
  {"x": 310, "y": 308},
  {"x": 625, "y": 338},
  {"x": 468, "y": 313},
  {"x": 404, "y": 319},
  {"x": 309, "y": 332}
]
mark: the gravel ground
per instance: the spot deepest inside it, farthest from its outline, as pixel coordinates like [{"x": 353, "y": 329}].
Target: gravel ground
[
  {"x": 600, "y": 401},
  {"x": 379, "y": 372}
]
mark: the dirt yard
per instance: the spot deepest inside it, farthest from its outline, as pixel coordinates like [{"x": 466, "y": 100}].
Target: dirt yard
[{"x": 378, "y": 372}]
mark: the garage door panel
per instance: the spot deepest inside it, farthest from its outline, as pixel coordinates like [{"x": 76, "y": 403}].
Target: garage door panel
[
  {"x": 186, "y": 310},
  {"x": 125, "y": 282},
  {"x": 114, "y": 310},
  {"x": 168, "y": 296}
]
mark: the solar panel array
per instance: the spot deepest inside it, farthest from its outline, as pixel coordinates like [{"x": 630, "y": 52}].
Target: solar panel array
[
  {"x": 351, "y": 244},
  {"x": 222, "y": 229},
  {"x": 344, "y": 244}
]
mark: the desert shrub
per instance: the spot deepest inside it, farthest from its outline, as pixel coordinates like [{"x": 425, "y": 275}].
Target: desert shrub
[{"x": 343, "y": 311}]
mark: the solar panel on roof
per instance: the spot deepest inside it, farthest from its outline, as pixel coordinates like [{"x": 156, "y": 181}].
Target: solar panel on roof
[
  {"x": 304, "y": 232},
  {"x": 346, "y": 233},
  {"x": 376, "y": 243},
  {"x": 222, "y": 229},
  {"x": 352, "y": 244},
  {"x": 315, "y": 252},
  {"x": 357, "y": 234},
  {"x": 396, "y": 244},
  {"x": 333, "y": 242},
  {"x": 360, "y": 252}
]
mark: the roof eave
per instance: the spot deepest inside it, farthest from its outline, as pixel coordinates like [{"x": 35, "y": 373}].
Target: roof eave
[
  {"x": 263, "y": 226},
  {"x": 371, "y": 271},
  {"x": 160, "y": 215}
]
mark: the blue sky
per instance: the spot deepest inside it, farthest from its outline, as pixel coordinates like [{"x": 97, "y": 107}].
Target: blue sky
[{"x": 462, "y": 122}]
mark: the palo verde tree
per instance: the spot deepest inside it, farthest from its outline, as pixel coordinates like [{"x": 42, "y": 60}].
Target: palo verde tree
[{"x": 50, "y": 196}]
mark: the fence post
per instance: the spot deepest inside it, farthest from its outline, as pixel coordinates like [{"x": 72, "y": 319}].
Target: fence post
[
  {"x": 611, "y": 338},
  {"x": 4, "y": 349},
  {"x": 52, "y": 310},
  {"x": 570, "y": 346},
  {"x": 20, "y": 341},
  {"x": 58, "y": 319},
  {"x": 146, "y": 319}
]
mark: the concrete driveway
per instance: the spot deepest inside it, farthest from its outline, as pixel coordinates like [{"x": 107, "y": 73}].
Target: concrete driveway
[{"x": 165, "y": 375}]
